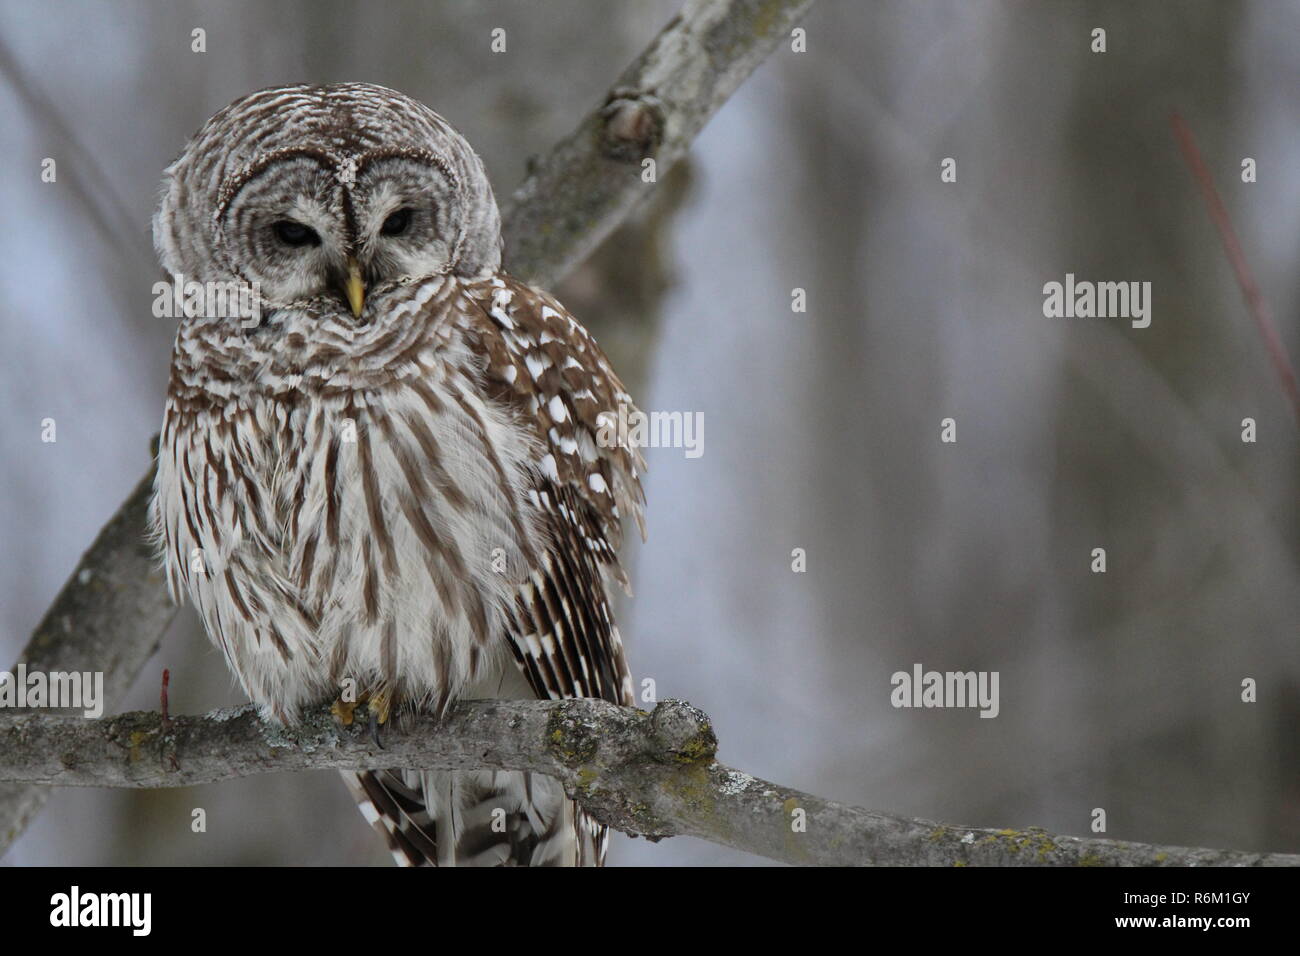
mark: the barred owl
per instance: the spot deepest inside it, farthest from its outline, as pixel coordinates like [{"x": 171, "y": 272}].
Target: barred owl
[{"x": 394, "y": 476}]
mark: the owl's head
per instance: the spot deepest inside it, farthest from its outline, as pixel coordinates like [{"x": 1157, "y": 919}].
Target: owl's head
[{"x": 321, "y": 194}]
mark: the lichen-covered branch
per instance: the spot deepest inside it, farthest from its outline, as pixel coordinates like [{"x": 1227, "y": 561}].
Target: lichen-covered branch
[
  {"x": 114, "y": 610},
  {"x": 651, "y": 774}
]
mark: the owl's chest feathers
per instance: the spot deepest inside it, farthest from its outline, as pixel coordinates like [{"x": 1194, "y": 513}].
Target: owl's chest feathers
[{"x": 376, "y": 534}]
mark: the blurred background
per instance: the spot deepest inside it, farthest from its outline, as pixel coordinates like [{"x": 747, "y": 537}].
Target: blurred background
[{"x": 924, "y": 301}]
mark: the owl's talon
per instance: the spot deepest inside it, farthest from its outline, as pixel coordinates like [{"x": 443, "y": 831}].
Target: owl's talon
[{"x": 379, "y": 703}]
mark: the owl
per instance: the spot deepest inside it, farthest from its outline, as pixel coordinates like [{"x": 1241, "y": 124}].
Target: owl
[{"x": 388, "y": 484}]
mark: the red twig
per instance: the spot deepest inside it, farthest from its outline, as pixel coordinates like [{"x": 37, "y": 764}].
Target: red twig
[
  {"x": 1255, "y": 300},
  {"x": 166, "y": 725}
]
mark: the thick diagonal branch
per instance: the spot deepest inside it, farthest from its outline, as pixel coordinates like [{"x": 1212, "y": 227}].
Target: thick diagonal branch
[
  {"x": 109, "y": 618},
  {"x": 651, "y": 774},
  {"x": 585, "y": 186}
]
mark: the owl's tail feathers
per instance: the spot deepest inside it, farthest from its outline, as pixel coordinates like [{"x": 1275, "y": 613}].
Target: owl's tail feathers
[
  {"x": 485, "y": 818},
  {"x": 393, "y": 803}
]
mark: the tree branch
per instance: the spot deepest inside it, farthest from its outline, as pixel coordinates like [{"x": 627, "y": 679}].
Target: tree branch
[
  {"x": 651, "y": 774},
  {"x": 113, "y": 611},
  {"x": 585, "y": 186}
]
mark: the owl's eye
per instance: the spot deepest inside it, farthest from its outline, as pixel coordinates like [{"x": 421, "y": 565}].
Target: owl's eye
[
  {"x": 295, "y": 233},
  {"x": 396, "y": 223}
]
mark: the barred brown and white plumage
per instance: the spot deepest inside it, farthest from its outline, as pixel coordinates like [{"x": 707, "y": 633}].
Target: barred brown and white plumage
[{"x": 395, "y": 477}]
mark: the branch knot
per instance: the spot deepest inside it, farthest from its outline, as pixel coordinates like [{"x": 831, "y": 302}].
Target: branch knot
[
  {"x": 683, "y": 732},
  {"x": 633, "y": 126}
]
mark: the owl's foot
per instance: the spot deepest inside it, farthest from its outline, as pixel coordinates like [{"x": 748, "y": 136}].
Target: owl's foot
[
  {"x": 342, "y": 710},
  {"x": 379, "y": 704}
]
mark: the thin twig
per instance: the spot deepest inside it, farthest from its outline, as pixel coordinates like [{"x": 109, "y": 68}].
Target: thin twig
[{"x": 89, "y": 182}]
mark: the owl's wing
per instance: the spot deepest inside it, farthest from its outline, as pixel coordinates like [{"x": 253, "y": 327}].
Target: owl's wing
[
  {"x": 538, "y": 363},
  {"x": 545, "y": 366}
]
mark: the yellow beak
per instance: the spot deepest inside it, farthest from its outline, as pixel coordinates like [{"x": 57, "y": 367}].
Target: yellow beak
[{"x": 355, "y": 288}]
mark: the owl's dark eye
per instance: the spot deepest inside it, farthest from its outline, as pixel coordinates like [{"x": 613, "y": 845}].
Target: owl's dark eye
[
  {"x": 396, "y": 223},
  {"x": 295, "y": 233}
]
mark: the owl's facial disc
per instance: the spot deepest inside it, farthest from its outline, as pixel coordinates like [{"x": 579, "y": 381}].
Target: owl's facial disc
[{"x": 304, "y": 232}]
